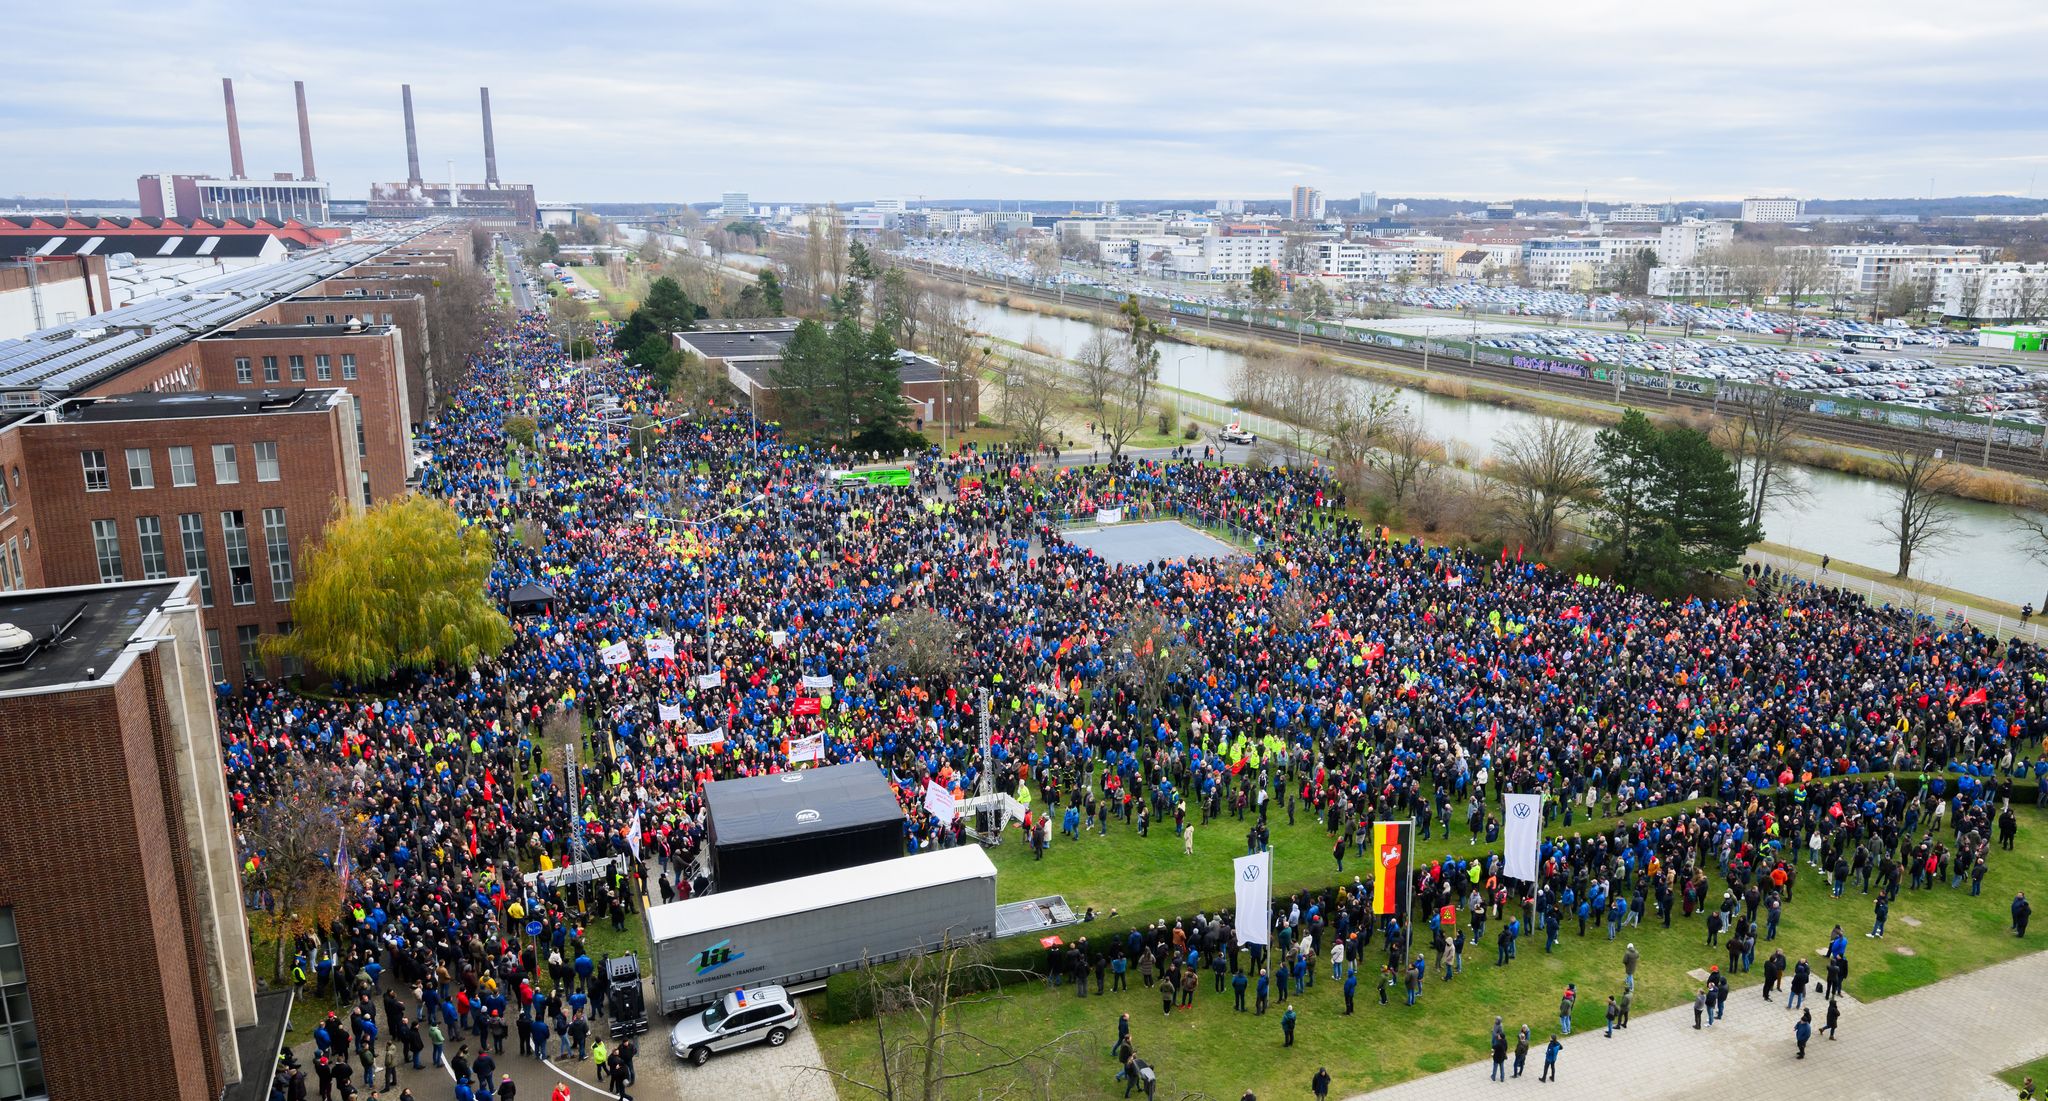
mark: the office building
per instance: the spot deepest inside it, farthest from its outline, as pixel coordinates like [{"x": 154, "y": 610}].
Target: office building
[
  {"x": 747, "y": 353},
  {"x": 1686, "y": 242},
  {"x": 733, "y": 206},
  {"x": 124, "y": 957},
  {"x": 1305, "y": 205},
  {"x": 1773, "y": 210},
  {"x": 1634, "y": 212}
]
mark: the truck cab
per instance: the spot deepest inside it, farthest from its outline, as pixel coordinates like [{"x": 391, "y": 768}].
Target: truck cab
[{"x": 743, "y": 1017}]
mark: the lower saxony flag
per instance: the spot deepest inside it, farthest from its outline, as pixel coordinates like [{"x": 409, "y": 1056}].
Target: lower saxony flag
[{"x": 1393, "y": 862}]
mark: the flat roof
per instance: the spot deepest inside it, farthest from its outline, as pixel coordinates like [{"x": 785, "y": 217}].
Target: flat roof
[
  {"x": 158, "y": 406},
  {"x": 817, "y": 892},
  {"x": 799, "y": 803},
  {"x": 82, "y": 630},
  {"x": 730, "y": 345},
  {"x": 263, "y": 330}
]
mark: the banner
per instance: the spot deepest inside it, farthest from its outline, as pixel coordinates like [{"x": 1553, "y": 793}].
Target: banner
[
  {"x": 661, "y": 649},
  {"x": 1393, "y": 859},
  {"x": 811, "y": 748},
  {"x": 633, "y": 833},
  {"x": 700, "y": 739},
  {"x": 815, "y": 683},
  {"x": 670, "y": 712},
  {"x": 939, "y": 801},
  {"x": 1252, "y": 877},
  {"x": 779, "y": 638},
  {"x": 618, "y": 653},
  {"x": 1522, "y": 831},
  {"x": 712, "y": 679},
  {"x": 805, "y": 705},
  {"x": 1109, "y": 516}
]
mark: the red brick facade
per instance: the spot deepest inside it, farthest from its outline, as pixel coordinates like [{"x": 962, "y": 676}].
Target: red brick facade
[
  {"x": 379, "y": 385},
  {"x": 94, "y": 863},
  {"x": 316, "y": 466}
]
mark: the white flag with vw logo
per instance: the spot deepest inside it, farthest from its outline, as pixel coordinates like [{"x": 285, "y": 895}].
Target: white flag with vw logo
[
  {"x": 1254, "y": 898},
  {"x": 1522, "y": 831}
]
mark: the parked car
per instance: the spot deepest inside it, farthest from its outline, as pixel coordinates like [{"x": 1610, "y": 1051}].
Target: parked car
[
  {"x": 1235, "y": 434},
  {"x": 761, "y": 1015}
]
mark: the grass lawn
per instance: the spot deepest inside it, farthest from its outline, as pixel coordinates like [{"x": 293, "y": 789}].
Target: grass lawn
[
  {"x": 1205, "y": 1048},
  {"x": 2037, "y": 1070}
]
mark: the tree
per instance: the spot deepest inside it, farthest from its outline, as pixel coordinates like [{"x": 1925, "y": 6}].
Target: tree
[
  {"x": 521, "y": 430},
  {"x": 1033, "y": 394},
  {"x": 1922, "y": 515},
  {"x": 401, "y": 586},
  {"x": 1701, "y": 519},
  {"x": 920, "y": 1056},
  {"x": 1634, "y": 314},
  {"x": 1149, "y": 652},
  {"x": 905, "y": 302},
  {"x": 1806, "y": 270},
  {"x": 1130, "y": 398},
  {"x": 479, "y": 243},
  {"x": 2032, "y": 531},
  {"x": 462, "y": 315},
  {"x": 1045, "y": 260},
  {"x": 771, "y": 291},
  {"x": 1306, "y": 399},
  {"x": 1265, "y": 286},
  {"x": 1406, "y": 454},
  {"x": 291, "y": 839},
  {"x": 1097, "y": 363},
  {"x": 1631, "y": 272},
  {"x": 1629, "y": 477},
  {"x": 918, "y": 643},
  {"x": 1357, "y": 426},
  {"x": 1767, "y": 419},
  {"x": 1546, "y": 471},
  {"x": 841, "y": 383},
  {"x": 1311, "y": 299}
]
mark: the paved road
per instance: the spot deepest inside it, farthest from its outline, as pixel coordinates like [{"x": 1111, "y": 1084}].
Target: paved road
[
  {"x": 1943, "y": 1042},
  {"x": 515, "y": 271}
]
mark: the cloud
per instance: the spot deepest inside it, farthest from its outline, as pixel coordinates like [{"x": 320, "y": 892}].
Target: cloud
[{"x": 1066, "y": 99}]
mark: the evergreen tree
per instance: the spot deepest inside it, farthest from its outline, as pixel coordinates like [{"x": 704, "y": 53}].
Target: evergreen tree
[
  {"x": 1672, "y": 504},
  {"x": 1629, "y": 472},
  {"x": 771, "y": 291}
]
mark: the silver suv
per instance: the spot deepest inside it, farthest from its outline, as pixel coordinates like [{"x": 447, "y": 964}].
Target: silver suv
[{"x": 742, "y": 1017}]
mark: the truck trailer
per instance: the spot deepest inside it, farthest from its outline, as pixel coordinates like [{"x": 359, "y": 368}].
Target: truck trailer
[{"x": 797, "y": 932}]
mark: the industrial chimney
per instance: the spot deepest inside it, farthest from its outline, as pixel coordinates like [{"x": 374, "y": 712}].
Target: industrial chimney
[
  {"x": 490, "y": 144},
  {"x": 227, "y": 91},
  {"x": 412, "y": 145},
  {"x": 305, "y": 131}
]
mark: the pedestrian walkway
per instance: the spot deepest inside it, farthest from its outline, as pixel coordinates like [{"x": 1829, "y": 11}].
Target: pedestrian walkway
[
  {"x": 1944, "y": 1042},
  {"x": 1945, "y": 610}
]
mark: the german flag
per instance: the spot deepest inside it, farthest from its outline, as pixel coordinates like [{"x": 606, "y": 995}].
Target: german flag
[{"x": 1393, "y": 864}]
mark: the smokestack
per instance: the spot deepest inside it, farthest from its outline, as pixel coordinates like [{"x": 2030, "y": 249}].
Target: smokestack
[
  {"x": 305, "y": 131},
  {"x": 227, "y": 91},
  {"x": 412, "y": 143},
  {"x": 490, "y": 144}
]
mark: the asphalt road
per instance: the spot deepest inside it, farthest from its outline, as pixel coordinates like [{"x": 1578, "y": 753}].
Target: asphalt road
[{"x": 515, "y": 271}]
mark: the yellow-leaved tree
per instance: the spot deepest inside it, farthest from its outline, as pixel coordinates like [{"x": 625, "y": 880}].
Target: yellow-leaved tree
[{"x": 400, "y": 586}]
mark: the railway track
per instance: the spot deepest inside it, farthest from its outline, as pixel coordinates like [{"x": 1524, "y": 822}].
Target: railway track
[{"x": 2027, "y": 461}]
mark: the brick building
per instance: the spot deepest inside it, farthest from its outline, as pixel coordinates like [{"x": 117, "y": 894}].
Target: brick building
[
  {"x": 225, "y": 487},
  {"x": 124, "y": 958}
]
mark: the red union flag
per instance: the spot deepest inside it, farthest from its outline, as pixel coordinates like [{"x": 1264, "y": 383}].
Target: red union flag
[
  {"x": 807, "y": 705},
  {"x": 1393, "y": 861}
]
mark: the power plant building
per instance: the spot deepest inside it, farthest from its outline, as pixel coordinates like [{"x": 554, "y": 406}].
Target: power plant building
[{"x": 491, "y": 202}]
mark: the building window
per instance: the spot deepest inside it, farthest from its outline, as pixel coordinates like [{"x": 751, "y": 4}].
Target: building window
[
  {"x": 234, "y": 534},
  {"x": 288, "y": 664},
  {"x": 192, "y": 538},
  {"x": 149, "y": 534},
  {"x": 247, "y": 640},
  {"x": 298, "y": 368},
  {"x": 330, "y": 319},
  {"x": 227, "y": 470},
  {"x": 362, "y": 440},
  {"x": 244, "y": 373},
  {"x": 6, "y": 496},
  {"x": 323, "y": 368},
  {"x": 220, "y": 668},
  {"x": 309, "y": 319},
  {"x": 183, "y": 472},
  {"x": 106, "y": 546},
  {"x": 348, "y": 366},
  {"x": 387, "y": 319},
  {"x": 140, "y": 475},
  {"x": 277, "y": 547},
  {"x": 266, "y": 460},
  {"x": 95, "y": 463},
  {"x": 270, "y": 368},
  {"x": 367, "y": 502},
  {"x": 21, "y": 1054},
  {"x": 8, "y": 581}
]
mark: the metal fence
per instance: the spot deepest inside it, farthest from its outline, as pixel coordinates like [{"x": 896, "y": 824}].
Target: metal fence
[{"x": 1932, "y": 606}]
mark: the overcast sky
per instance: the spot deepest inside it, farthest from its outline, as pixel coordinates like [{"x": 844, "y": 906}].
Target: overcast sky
[{"x": 1636, "y": 100}]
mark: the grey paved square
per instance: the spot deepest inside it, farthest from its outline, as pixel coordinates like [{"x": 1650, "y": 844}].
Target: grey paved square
[{"x": 1152, "y": 541}]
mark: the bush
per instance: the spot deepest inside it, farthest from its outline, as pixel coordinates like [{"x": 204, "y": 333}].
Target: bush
[{"x": 1191, "y": 431}]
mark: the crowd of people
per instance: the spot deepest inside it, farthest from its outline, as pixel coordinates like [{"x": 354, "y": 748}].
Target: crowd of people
[{"x": 1331, "y": 670}]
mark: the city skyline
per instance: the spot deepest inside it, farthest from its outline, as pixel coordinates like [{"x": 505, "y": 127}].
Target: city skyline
[{"x": 1473, "y": 103}]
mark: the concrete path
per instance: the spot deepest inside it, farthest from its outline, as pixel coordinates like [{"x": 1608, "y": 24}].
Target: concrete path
[{"x": 1943, "y": 1042}]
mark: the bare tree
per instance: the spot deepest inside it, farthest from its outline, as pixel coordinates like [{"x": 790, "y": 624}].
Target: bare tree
[
  {"x": 941, "y": 321},
  {"x": 921, "y": 1052},
  {"x": 1098, "y": 362},
  {"x": 2032, "y": 530},
  {"x": 1358, "y": 425},
  {"x": 1806, "y": 270},
  {"x": 1130, "y": 399},
  {"x": 1033, "y": 394},
  {"x": 1760, "y": 435},
  {"x": 1253, "y": 384},
  {"x": 302, "y": 829},
  {"x": 1922, "y": 516},
  {"x": 1405, "y": 453},
  {"x": 1545, "y": 471},
  {"x": 1305, "y": 399},
  {"x": 1149, "y": 651},
  {"x": 918, "y": 642}
]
